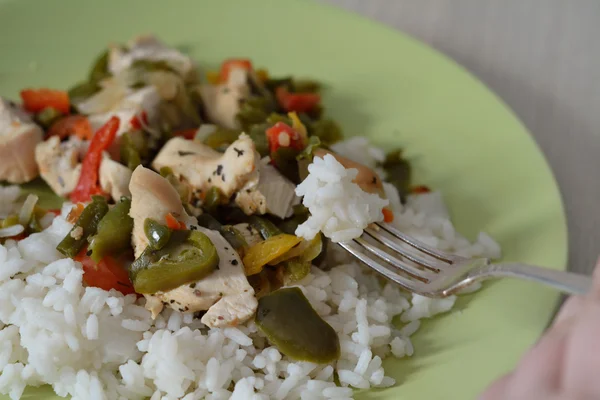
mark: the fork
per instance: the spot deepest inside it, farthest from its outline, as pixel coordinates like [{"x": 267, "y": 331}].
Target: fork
[{"x": 429, "y": 272}]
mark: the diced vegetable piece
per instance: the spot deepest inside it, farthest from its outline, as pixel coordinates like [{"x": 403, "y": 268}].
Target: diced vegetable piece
[
  {"x": 286, "y": 161},
  {"x": 398, "y": 172},
  {"x": 295, "y": 270},
  {"x": 107, "y": 274},
  {"x": 158, "y": 235},
  {"x": 86, "y": 226},
  {"x": 388, "y": 215},
  {"x": 77, "y": 125},
  {"x": 283, "y": 135},
  {"x": 290, "y": 323},
  {"x": 231, "y": 64},
  {"x": 174, "y": 223},
  {"x": 264, "y": 252},
  {"x": 300, "y": 102},
  {"x": 420, "y": 189},
  {"x": 188, "y": 134},
  {"x": 214, "y": 198},
  {"x": 114, "y": 232},
  {"x": 139, "y": 121},
  {"x": 35, "y": 100},
  {"x": 264, "y": 226},
  {"x": 221, "y": 138},
  {"x": 88, "y": 184},
  {"x": 130, "y": 156},
  {"x": 188, "y": 257},
  {"x": 47, "y": 117},
  {"x": 328, "y": 131}
]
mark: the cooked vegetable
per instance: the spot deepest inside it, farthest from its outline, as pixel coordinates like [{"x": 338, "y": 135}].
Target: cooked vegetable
[
  {"x": 221, "y": 138},
  {"x": 77, "y": 125},
  {"x": 232, "y": 63},
  {"x": 82, "y": 91},
  {"x": 264, "y": 252},
  {"x": 398, "y": 172},
  {"x": 26, "y": 213},
  {"x": 88, "y": 184},
  {"x": 158, "y": 235},
  {"x": 214, "y": 198},
  {"x": 388, "y": 215},
  {"x": 188, "y": 256},
  {"x": 36, "y": 100},
  {"x": 130, "y": 156},
  {"x": 86, "y": 226},
  {"x": 258, "y": 136},
  {"x": 47, "y": 117},
  {"x": 114, "y": 232},
  {"x": 283, "y": 135},
  {"x": 328, "y": 131},
  {"x": 306, "y": 251},
  {"x": 99, "y": 69},
  {"x": 264, "y": 226},
  {"x": 290, "y": 323},
  {"x": 285, "y": 159},
  {"x": 174, "y": 223},
  {"x": 295, "y": 270},
  {"x": 300, "y": 102},
  {"x": 231, "y": 234},
  {"x": 107, "y": 274}
]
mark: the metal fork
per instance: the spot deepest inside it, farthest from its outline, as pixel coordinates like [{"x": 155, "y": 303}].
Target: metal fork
[{"x": 433, "y": 273}]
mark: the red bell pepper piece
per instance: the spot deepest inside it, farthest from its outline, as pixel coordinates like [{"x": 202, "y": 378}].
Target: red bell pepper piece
[
  {"x": 388, "y": 215},
  {"x": 77, "y": 125},
  {"x": 188, "y": 134},
  {"x": 420, "y": 189},
  {"x": 299, "y": 102},
  {"x": 139, "y": 121},
  {"x": 283, "y": 135},
  {"x": 232, "y": 63},
  {"x": 35, "y": 100},
  {"x": 88, "y": 184},
  {"x": 107, "y": 274},
  {"x": 173, "y": 223}
]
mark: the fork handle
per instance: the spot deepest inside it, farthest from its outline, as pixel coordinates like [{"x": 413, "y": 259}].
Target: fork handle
[{"x": 566, "y": 282}]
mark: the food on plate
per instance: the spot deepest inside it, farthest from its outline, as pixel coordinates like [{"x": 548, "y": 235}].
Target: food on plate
[{"x": 194, "y": 255}]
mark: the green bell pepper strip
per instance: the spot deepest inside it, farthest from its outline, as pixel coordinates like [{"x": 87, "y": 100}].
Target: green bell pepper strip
[
  {"x": 114, "y": 232},
  {"x": 158, "y": 235},
  {"x": 86, "y": 226}
]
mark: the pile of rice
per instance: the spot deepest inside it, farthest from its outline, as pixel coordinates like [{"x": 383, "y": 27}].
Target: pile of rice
[{"x": 91, "y": 344}]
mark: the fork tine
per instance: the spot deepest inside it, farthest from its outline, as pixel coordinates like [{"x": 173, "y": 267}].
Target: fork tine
[
  {"x": 417, "y": 244},
  {"x": 402, "y": 251},
  {"x": 409, "y": 284},
  {"x": 395, "y": 262}
]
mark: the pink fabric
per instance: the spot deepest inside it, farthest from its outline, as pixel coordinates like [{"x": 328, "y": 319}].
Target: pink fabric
[{"x": 565, "y": 363}]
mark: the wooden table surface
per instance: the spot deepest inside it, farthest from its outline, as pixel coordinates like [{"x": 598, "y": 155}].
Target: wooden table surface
[{"x": 543, "y": 58}]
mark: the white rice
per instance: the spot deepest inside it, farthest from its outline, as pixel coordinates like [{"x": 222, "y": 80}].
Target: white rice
[
  {"x": 91, "y": 344},
  {"x": 338, "y": 207}
]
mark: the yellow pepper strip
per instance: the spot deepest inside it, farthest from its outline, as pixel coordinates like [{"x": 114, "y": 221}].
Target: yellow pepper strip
[
  {"x": 263, "y": 252},
  {"x": 306, "y": 250},
  {"x": 299, "y": 126}
]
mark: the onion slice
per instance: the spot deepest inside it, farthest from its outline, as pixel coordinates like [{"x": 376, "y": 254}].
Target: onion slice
[{"x": 27, "y": 210}]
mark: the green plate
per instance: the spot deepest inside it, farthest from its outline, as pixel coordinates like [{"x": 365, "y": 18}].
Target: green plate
[{"x": 462, "y": 138}]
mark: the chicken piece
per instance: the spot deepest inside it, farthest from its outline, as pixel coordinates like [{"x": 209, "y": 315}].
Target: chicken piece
[
  {"x": 367, "y": 178},
  {"x": 272, "y": 193},
  {"x": 114, "y": 178},
  {"x": 59, "y": 163},
  {"x": 225, "y": 293},
  {"x": 202, "y": 167},
  {"x": 148, "y": 47},
  {"x": 152, "y": 196},
  {"x": 18, "y": 138},
  {"x": 222, "y": 102}
]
